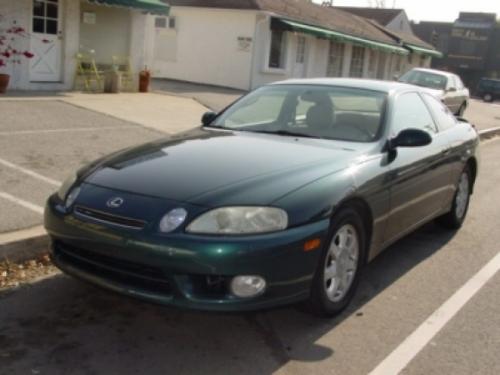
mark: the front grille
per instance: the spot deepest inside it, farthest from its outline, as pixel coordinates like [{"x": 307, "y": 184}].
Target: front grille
[
  {"x": 104, "y": 217},
  {"x": 124, "y": 272}
]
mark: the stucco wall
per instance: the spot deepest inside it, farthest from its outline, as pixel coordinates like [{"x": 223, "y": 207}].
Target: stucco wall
[
  {"x": 117, "y": 31},
  {"x": 102, "y": 37},
  {"x": 207, "y": 49},
  {"x": 400, "y": 23},
  {"x": 20, "y": 11}
]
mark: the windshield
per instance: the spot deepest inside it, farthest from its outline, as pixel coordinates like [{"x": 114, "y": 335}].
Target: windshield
[
  {"x": 425, "y": 79},
  {"x": 328, "y": 112}
]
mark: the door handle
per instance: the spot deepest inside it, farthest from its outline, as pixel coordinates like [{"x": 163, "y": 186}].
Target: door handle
[{"x": 446, "y": 151}]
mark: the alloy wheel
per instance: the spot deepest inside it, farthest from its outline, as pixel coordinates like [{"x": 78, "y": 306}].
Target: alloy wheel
[
  {"x": 341, "y": 263},
  {"x": 462, "y": 196}
]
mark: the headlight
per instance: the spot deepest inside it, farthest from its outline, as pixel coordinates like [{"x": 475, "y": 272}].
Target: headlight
[
  {"x": 72, "y": 197},
  {"x": 172, "y": 220},
  {"x": 66, "y": 186},
  {"x": 240, "y": 220}
]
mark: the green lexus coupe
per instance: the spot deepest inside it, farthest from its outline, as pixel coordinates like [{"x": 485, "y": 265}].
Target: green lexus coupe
[{"x": 281, "y": 198}]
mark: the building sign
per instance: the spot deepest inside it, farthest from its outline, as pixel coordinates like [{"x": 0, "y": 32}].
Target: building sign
[
  {"x": 89, "y": 18},
  {"x": 469, "y": 35},
  {"x": 244, "y": 43}
]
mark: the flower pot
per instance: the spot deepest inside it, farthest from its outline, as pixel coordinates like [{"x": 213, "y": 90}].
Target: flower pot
[{"x": 4, "y": 82}]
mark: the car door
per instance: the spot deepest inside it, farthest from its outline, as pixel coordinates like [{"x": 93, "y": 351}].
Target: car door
[
  {"x": 451, "y": 95},
  {"x": 420, "y": 176}
]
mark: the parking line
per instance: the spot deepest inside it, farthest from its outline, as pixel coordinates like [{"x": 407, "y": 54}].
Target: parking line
[
  {"x": 33, "y": 207},
  {"x": 65, "y": 130},
  {"x": 413, "y": 344},
  {"x": 30, "y": 173}
]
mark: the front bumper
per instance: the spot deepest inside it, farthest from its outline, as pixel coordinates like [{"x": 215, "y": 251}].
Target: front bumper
[{"x": 184, "y": 270}]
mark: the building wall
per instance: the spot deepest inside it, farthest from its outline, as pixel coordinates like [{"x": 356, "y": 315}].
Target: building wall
[
  {"x": 104, "y": 39},
  {"x": 210, "y": 46},
  {"x": 20, "y": 12},
  {"x": 101, "y": 37},
  {"x": 400, "y": 23}
]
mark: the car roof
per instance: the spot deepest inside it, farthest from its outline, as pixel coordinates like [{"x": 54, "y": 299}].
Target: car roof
[{"x": 366, "y": 84}]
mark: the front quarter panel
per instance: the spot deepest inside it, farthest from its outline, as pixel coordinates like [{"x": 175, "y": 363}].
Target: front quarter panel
[{"x": 367, "y": 180}]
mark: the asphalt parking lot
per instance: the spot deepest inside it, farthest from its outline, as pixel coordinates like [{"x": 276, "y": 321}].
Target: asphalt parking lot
[
  {"x": 41, "y": 142},
  {"x": 62, "y": 326}
]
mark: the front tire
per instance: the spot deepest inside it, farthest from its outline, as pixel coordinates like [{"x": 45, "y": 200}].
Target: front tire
[
  {"x": 455, "y": 218},
  {"x": 337, "y": 275},
  {"x": 462, "y": 109}
]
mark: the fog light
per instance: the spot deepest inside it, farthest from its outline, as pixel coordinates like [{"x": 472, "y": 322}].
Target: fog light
[{"x": 247, "y": 286}]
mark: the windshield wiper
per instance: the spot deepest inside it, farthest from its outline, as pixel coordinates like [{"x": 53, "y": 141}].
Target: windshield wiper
[{"x": 285, "y": 133}]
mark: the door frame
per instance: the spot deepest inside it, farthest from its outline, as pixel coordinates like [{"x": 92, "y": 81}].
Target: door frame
[
  {"x": 305, "y": 55},
  {"x": 59, "y": 36}
]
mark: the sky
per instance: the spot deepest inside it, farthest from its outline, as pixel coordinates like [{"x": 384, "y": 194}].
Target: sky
[{"x": 432, "y": 10}]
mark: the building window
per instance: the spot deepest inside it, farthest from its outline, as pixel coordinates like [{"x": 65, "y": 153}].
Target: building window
[
  {"x": 45, "y": 16},
  {"x": 301, "y": 50},
  {"x": 335, "y": 59},
  {"x": 372, "y": 64},
  {"x": 172, "y": 22},
  {"x": 277, "y": 52},
  {"x": 160, "y": 22},
  {"x": 165, "y": 22},
  {"x": 398, "y": 63},
  {"x": 357, "y": 61}
]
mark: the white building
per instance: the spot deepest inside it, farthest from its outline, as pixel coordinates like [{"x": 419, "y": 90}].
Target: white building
[
  {"x": 59, "y": 29},
  {"x": 247, "y": 43}
]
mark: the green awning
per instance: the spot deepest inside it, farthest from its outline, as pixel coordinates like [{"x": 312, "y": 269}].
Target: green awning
[
  {"x": 336, "y": 35},
  {"x": 424, "y": 51},
  {"x": 152, "y": 6}
]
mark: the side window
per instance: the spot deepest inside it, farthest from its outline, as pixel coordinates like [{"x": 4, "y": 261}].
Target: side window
[
  {"x": 411, "y": 112},
  {"x": 442, "y": 114}
]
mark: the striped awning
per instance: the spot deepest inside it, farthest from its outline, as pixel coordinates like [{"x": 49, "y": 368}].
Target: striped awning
[
  {"x": 424, "y": 51},
  {"x": 151, "y": 6},
  {"x": 285, "y": 24}
]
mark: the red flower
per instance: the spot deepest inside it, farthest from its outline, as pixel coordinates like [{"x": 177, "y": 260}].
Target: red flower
[
  {"x": 2, "y": 63},
  {"x": 5, "y": 54},
  {"x": 45, "y": 41},
  {"x": 28, "y": 54}
]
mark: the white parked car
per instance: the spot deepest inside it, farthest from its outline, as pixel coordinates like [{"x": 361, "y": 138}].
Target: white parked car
[{"x": 445, "y": 86}]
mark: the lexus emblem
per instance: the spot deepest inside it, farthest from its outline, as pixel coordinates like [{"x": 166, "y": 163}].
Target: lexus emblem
[{"x": 115, "y": 202}]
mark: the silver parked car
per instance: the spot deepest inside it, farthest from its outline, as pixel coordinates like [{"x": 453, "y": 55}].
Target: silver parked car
[{"x": 445, "y": 86}]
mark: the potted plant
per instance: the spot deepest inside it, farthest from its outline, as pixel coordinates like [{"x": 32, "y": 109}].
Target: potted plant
[
  {"x": 144, "y": 79},
  {"x": 9, "y": 53}
]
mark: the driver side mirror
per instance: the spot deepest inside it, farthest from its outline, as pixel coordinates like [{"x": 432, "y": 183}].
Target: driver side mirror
[
  {"x": 411, "y": 138},
  {"x": 207, "y": 118}
]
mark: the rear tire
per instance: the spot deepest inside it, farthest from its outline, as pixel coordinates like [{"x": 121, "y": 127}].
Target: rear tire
[
  {"x": 488, "y": 98},
  {"x": 337, "y": 274},
  {"x": 455, "y": 218}
]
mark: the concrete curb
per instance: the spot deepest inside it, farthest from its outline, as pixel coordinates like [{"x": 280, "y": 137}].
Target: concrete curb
[
  {"x": 27, "y": 244},
  {"x": 489, "y": 133},
  {"x": 24, "y": 244}
]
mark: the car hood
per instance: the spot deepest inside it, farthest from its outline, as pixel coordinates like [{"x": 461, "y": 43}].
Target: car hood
[{"x": 217, "y": 167}]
